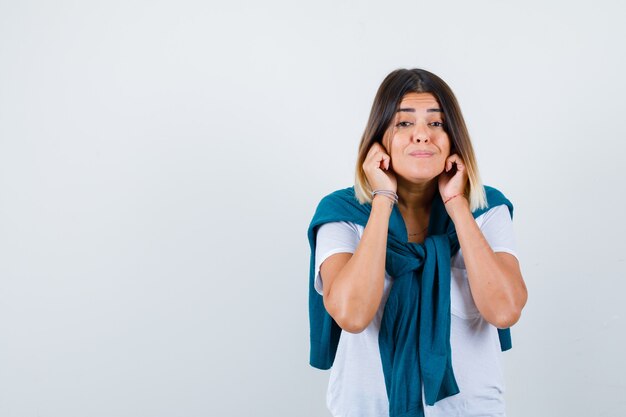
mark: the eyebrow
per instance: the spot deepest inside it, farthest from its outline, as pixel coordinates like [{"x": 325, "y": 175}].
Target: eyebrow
[{"x": 412, "y": 110}]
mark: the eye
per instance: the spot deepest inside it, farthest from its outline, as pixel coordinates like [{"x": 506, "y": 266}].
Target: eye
[
  {"x": 437, "y": 124},
  {"x": 404, "y": 124}
]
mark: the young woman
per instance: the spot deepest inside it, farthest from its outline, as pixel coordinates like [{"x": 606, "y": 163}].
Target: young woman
[{"x": 414, "y": 280}]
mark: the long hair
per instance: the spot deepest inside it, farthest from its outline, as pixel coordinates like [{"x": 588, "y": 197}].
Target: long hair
[{"x": 389, "y": 96}]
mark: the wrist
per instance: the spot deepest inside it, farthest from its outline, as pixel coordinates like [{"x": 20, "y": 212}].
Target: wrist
[
  {"x": 383, "y": 201},
  {"x": 456, "y": 205}
]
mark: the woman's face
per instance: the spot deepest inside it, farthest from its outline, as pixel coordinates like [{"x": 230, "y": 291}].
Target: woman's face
[{"x": 416, "y": 140}]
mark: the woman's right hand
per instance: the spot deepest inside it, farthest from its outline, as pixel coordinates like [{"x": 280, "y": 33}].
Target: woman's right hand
[{"x": 377, "y": 168}]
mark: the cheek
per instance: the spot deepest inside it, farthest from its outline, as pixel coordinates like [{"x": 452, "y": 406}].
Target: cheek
[
  {"x": 397, "y": 144},
  {"x": 445, "y": 146},
  {"x": 396, "y": 150},
  {"x": 388, "y": 141}
]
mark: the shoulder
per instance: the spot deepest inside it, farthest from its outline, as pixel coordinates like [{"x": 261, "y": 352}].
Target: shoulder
[
  {"x": 341, "y": 226},
  {"x": 342, "y": 230},
  {"x": 496, "y": 214},
  {"x": 495, "y": 198},
  {"x": 341, "y": 205},
  {"x": 496, "y": 226},
  {"x": 339, "y": 197}
]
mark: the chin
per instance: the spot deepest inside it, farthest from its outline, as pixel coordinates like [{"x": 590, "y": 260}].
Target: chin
[{"x": 421, "y": 175}]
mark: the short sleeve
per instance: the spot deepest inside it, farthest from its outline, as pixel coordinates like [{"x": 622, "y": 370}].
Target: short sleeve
[
  {"x": 332, "y": 238},
  {"x": 497, "y": 227}
]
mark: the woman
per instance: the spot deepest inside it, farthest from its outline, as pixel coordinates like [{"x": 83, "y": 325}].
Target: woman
[{"x": 414, "y": 279}]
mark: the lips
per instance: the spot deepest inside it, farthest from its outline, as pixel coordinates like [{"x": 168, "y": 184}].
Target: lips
[{"x": 421, "y": 154}]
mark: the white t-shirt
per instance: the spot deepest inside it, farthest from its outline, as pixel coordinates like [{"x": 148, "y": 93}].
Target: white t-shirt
[{"x": 357, "y": 387}]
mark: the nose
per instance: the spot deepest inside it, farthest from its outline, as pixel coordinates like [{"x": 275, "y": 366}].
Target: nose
[{"x": 420, "y": 134}]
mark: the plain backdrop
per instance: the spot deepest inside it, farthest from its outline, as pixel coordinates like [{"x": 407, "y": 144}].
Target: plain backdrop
[{"x": 160, "y": 162}]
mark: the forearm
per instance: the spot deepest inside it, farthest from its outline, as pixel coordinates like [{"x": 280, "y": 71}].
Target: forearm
[
  {"x": 357, "y": 290},
  {"x": 497, "y": 287}
]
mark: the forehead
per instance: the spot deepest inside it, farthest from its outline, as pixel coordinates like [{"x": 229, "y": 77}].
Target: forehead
[{"x": 419, "y": 101}]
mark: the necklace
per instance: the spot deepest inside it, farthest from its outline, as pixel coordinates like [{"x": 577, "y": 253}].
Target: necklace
[{"x": 418, "y": 233}]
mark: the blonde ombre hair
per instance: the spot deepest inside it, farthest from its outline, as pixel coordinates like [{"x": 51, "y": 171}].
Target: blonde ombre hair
[{"x": 390, "y": 93}]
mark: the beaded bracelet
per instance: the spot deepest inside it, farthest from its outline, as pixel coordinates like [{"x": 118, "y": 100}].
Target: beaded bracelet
[{"x": 387, "y": 193}]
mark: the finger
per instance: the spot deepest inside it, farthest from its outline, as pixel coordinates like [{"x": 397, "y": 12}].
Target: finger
[
  {"x": 448, "y": 164},
  {"x": 376, "y": 155},
  {"x": 454, "y": 159},
  {"x": 459, "y": 164},
  {"x": 457, "y": 159},
  {"x": 375, "y": 161},
  {"x": 384, "y": 161},
  {"x": 387, "y": 162},
  {"x": 376, "y": 147}
]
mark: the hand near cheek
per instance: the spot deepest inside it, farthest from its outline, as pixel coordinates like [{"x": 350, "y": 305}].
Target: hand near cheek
[
  {"x": 377, "y": 168},
  {"x": 452, "y": 180}
]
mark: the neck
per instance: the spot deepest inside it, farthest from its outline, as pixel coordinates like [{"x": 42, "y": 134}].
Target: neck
[{"x": 416, "y": 197}]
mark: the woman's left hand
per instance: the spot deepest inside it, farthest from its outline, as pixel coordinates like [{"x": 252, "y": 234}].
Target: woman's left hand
[{"x": 452, "y": 181}]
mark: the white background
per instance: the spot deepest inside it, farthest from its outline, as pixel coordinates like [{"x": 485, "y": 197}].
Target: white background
[{"x": 160, "y": 162}]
